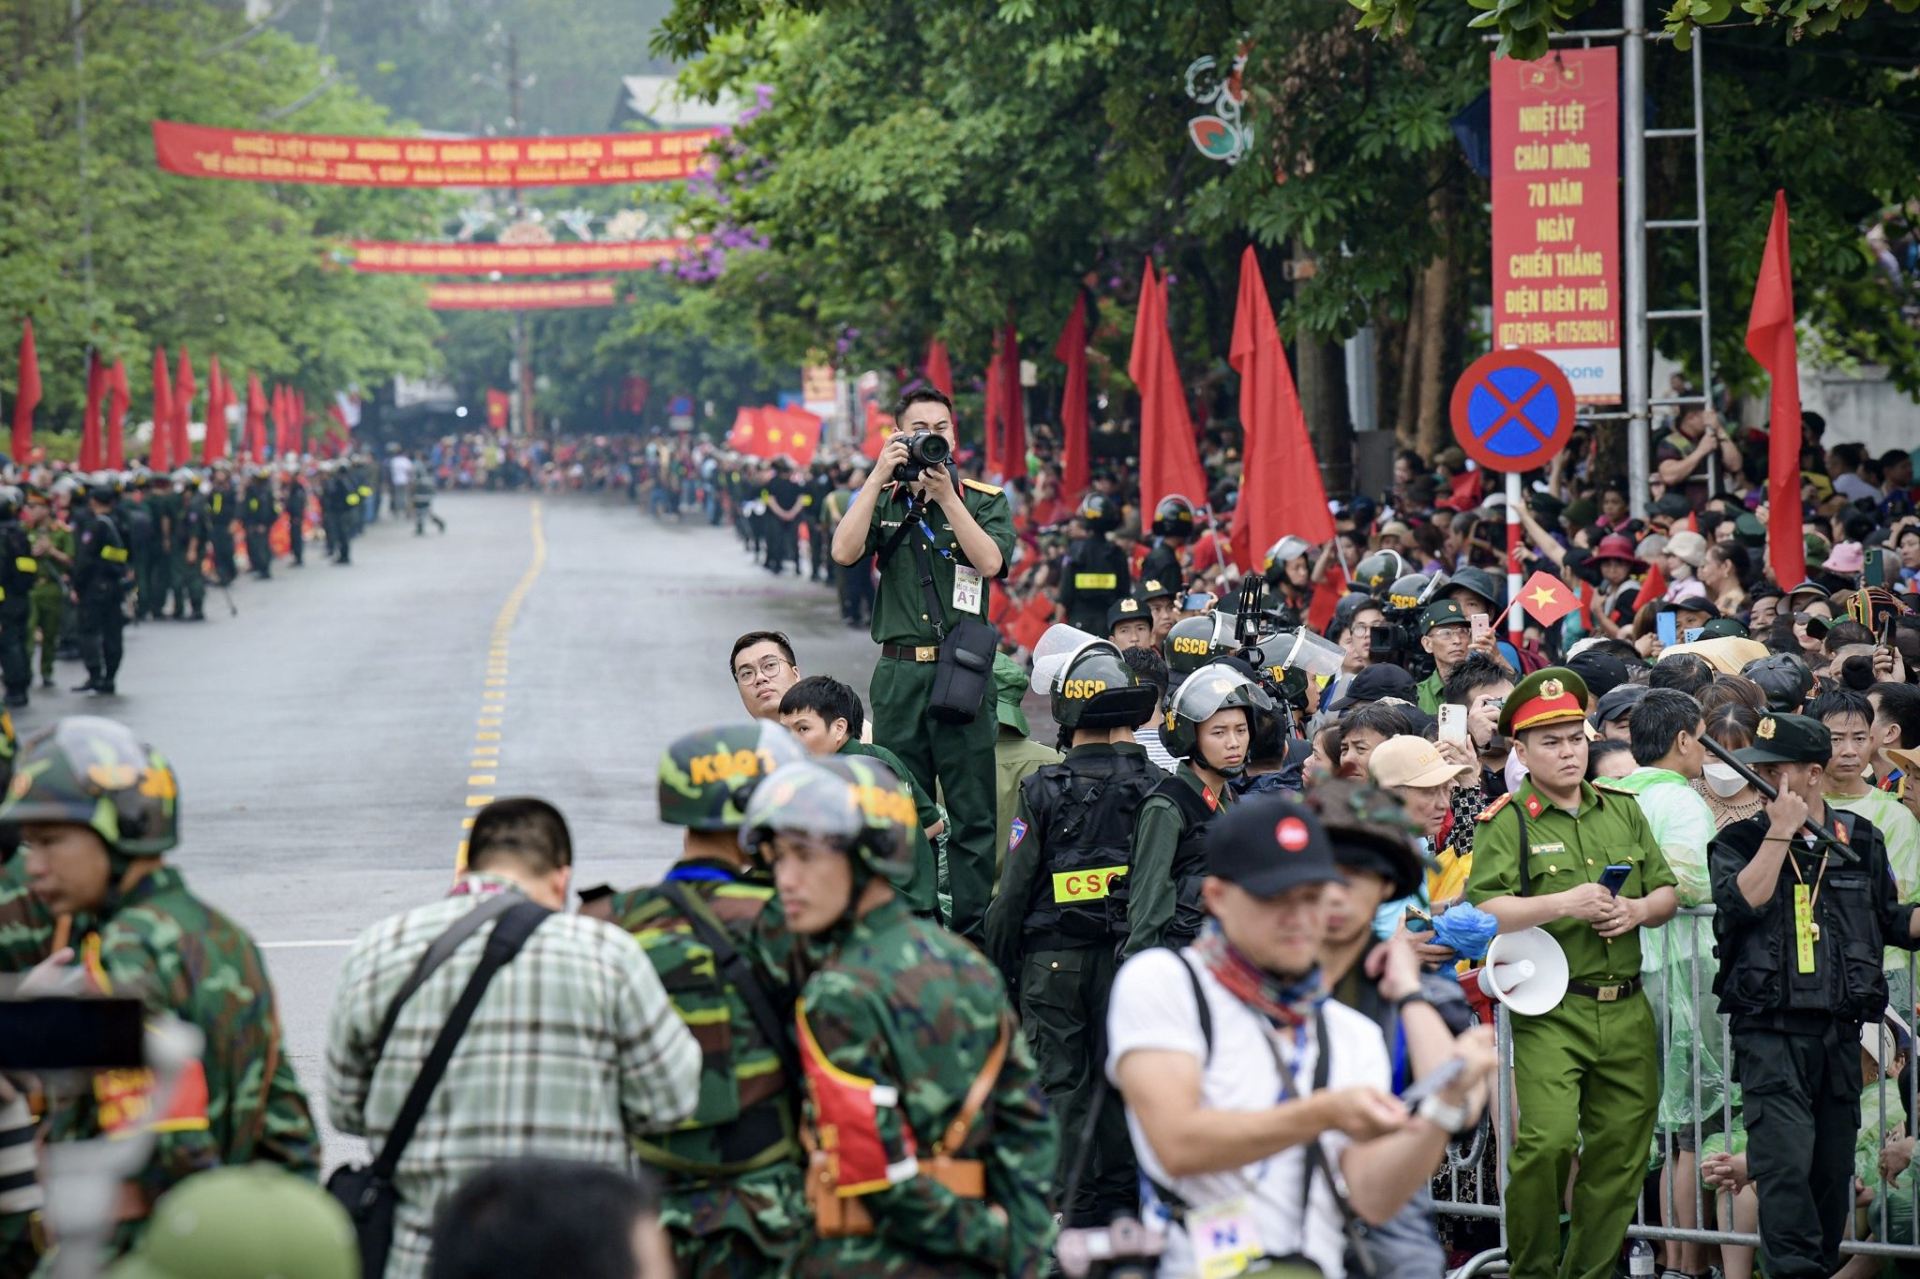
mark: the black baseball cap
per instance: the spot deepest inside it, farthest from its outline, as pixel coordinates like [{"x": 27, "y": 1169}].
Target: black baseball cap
[
  {"x": 1788, "y": 739},
  {"x": 1378, "y": 681},
  {"x": 1617, "y": 703},
  {"x": 1268, "y": 844},
  {"x": 1602, "y": 672}
]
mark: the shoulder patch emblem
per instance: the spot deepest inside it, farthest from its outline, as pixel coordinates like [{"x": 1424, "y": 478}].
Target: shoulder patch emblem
[
  {"x": 979, "y": 487},
  {"x": 1016, "y": 833},
  {"x": 1533, "y": 805},
  {"x": 1486, "y": 814}
]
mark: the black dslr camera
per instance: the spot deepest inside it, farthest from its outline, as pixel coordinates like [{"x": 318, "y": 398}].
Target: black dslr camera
[{"x": 924, "y": 450}]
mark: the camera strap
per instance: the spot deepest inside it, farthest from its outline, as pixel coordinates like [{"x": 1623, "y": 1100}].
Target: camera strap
[{"x": 912, "y": 519}]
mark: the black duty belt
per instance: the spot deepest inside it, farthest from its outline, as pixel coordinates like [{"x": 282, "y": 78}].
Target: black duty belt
[
  {"x": 1605, "y": 994},
  {"x": 911, "y": 653}
]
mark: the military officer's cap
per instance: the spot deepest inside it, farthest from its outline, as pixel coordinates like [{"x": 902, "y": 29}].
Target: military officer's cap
[
  {"x": 1788, "y": 739},
  {"x": 1549, "y": 696},
  {"x": 1442, "y": 613},
  {"x": 1128, "y": 609}
]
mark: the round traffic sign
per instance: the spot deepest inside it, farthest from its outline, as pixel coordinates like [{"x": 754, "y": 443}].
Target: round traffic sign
[{"x": 1512, "y": 410}]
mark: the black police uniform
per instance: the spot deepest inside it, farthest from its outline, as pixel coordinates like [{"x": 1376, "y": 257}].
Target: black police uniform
[
  {"x": 297, "y": 518},
  {"x": 258, "y": 511},
  {"x": 99, "y": 571},
  {"x": 1097, "y": 576},
  {"x": 1163, "y": 563},
  {"x": 1796, "y": 1012},
  {"x": 221, "y": 506},
  {"x": 18, "y": 572}
]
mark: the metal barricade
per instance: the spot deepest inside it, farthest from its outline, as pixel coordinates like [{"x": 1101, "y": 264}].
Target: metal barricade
[{"x": 1701, "y": 1108}]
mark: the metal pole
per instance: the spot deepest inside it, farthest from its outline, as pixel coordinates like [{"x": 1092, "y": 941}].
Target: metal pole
[
  {"x": 80, "y": 133},
  {"x": 1633, "y": 190},
  {"x": 1700, "y": 212},
  {"x": 1515, "y": 617},
  {"x": 522, "y": 338}
]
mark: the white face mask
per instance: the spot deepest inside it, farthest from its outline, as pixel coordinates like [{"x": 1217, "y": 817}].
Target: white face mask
[{"x": 1723, "y": 780}]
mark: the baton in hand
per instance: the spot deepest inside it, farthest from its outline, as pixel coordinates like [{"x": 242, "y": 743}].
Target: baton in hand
[{"x": 1844, "y": 855}]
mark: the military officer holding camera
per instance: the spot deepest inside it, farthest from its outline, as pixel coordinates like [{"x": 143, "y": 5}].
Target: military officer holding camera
[{"x": 926, "y": 523}]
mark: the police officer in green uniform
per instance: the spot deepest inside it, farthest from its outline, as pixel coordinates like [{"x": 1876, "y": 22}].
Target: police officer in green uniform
[
  {"x": 192, "y": 532},
  {"x": 1801, "y": 925},
  {"x": 258, "y": 511},
  {"x": 1097, "y": 573},
  {"x": 962, "y": 531},
  {"x": 52, "y": 550},
  {"x": 222, "y": 508},
  {"x": 1587, "y": 1073},
  {"x": 1049, "y": 931},
  {"x": 931, "y": 1149},
  {"x": 730, "y": 1173},
  {"x": 1208, "y": 728}
]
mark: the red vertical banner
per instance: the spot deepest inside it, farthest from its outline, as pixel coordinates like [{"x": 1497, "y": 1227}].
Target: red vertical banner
[
  {"x": 92, "y": 450},
  {"x": 938, "y": 370},
  {"x": 1556, "y": 214},
  {"x": 183, "y": 390},
  {"x": 119, "y": 399},
  {"x": 26, "y": 398},
  {"x": 499, "y": 410},
  {"x": 1071, "y": 350},
  {"x": 1770, "y": 340},
  {"x": 160, "y": 445},
  {"x": 219, "y": 395}
]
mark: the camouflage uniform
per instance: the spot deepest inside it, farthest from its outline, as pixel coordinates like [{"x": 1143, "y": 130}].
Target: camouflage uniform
[
  {"x": 731, "y": 1173},
  {"x": 240, "y": 1101},
  {"x": 895, "y": 1023}
]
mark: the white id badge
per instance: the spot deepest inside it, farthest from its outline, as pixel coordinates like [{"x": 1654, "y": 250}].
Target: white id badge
[
  {"x": 966, "y": 589},
  {"x": 1224, "y": 1238}
]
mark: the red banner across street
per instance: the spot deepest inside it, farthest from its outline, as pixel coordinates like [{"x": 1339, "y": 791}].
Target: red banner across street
[{"x": 520, "y": 297}]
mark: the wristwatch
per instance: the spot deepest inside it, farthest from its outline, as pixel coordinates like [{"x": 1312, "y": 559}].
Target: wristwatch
[{"x": 1443, "y": 1115}]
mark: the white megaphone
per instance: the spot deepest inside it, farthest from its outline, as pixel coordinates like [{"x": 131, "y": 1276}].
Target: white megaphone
[{"x": 1526, "y": 971}]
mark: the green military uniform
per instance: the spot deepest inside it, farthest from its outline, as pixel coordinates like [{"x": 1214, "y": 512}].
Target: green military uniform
[
  {"x": 1587, "y": 1073},
  {"x": 192, "y": 532},
  {"x": 222, "y": 508},
  {"x": 957, "y": 759},
  {"x": 49, "y": 595},
  {"x": 167, "y": 508},
  {"x": 1430, "y": 691},
  {"x": 922, "y": 890},
  {"x": 1016, "y": 756},
  {"x": 239, "y": 1100},
  {"x": 730, "y": 1172},
  {"x": 1152, "y": 890}
]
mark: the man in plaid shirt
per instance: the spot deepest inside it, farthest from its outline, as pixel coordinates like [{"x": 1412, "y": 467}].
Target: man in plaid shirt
[{"x": 573, "y": 1051}]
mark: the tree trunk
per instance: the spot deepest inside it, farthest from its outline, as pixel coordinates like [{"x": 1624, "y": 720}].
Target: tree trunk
[
  {"x": 1435, "y": 287},
  {"x": 1405, "y": 417},
  {"x": 1321, "y": 372}
]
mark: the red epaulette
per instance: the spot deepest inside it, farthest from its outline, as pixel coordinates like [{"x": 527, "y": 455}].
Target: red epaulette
[{"x": 1486, "y": 814}]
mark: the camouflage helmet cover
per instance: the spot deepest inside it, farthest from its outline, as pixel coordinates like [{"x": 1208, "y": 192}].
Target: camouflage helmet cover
[
  {"x": 95, "y": 772},
  {"x": 707, "y": 775},
  {"x": 853, "y": 802}
]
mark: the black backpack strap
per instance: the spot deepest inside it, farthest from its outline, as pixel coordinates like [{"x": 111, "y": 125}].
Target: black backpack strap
[
  {"x": 1199, "y": 1005},
  {"x": 516, "y": 924},
  {"x": 1526, "y": 850},
  {"x": 1358, "y": 1254},
  {"x": 739, "y": 974},
  {"x": 437, "y": 954}
]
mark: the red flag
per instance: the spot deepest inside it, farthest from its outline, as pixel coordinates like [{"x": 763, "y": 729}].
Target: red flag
[
  {"x": 995, "y": 405},
  {"x": 280, "y": 413},
  {"x": 119, "y": 399},
  {"x": 256, "y": 433},
  {"x": 1770, "y": 339},
  {"x": 92, "y": 454},
  {"x": 1546, "y": 598},
  {"x": 938, "y": 371},
  {"x": 27, "y": 398},
  {"x": 1654, "y": 585},
  {"x": 219, "y": 394},
  {"x": 1280, "y": 489},
  {"x": 500, "y": 410},
  {"x": 1013, "y": 413},
  {"x": 160, "y": 447},
  {"x": 879, "y": 426},
  {"x": 1169, "y": 458},
  {"x": 183, "y": 389},
  {"x": 1071, "y": 350}
]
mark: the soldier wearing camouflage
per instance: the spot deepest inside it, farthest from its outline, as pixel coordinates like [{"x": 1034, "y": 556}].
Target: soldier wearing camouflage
[
  {"x": 731, "y": 1174},
  {"x": 897, "y": 1023},
  {"x": 97, "y": 809}
]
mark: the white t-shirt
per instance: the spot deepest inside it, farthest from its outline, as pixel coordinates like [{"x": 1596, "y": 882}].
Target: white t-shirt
[
  {"x": 1152, "y": 1008},
  {"x": 400, "y": 468}
]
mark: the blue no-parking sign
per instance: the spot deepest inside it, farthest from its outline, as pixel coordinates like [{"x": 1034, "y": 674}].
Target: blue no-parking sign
[{"x": 1512, "y": 410}]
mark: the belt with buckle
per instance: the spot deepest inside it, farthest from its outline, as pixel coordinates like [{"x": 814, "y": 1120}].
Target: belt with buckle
[
  {"x": 1605, "y": 994},
  {"x": 910, "y": 653}
]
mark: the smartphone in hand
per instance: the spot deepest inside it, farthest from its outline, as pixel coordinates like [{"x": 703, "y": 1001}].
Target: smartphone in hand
[
  {"x": 1666, "y": 627},
  {"x": 1482, "y": 626},
  {"x": 1614, "y": 877},
  {"x": 1453, "y": 723}
]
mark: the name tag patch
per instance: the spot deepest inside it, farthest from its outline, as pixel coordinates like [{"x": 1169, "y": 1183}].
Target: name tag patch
[{"x": 1085, "y": 885}]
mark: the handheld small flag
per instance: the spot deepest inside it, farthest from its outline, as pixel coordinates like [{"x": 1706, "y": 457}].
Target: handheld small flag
[{"x": 1546, "y": 598}]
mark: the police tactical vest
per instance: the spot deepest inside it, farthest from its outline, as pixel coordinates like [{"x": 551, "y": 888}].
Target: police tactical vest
[
  {"x": 1189, "y": 867},
  {"x": 1083, "y": 813}
]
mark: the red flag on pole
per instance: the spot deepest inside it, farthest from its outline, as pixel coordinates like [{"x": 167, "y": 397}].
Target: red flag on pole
[
  {"x": 499, "y": 410},
  {"x": 1071, "y": 350},
  {"x": 219, "y": 394},
  {"x": 1770, "y": 340},
  {"x": 938, "y": 371},
  {"x": 27, "y": 398},
  {"x": 1169, "y": 458},
  {"x": 160, "y": 446},
  {"x": 92, "y": 455},
  {"x": 119, "y": 399},
  {"x": 1546, "y": 598},
  {"x": 183, "y": 389},
  {"x": 1013, "y": 413},
  {"x": 1653, "y": 585},
  {"x": 1280, "y": 490},
  {"x": 255, "y": 439},
  {"x": 996, "y": 402}
]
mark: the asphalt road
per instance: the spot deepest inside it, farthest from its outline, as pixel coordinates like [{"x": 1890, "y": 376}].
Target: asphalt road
[{"x": 331, "y": 739}]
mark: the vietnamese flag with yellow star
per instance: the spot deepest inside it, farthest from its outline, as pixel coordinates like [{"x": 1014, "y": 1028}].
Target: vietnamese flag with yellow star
[{"x": 1546, "y": 598}]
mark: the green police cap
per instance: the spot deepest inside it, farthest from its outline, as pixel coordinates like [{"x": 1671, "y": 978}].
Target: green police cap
[
  {"x": 242, "y": 1223},
  {"x": 1442, "y": 613},
  {"x": 1788, "y": 739},
  {"x": 1009, "y": 687},
  {"x": 1545, "y": 697}
]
